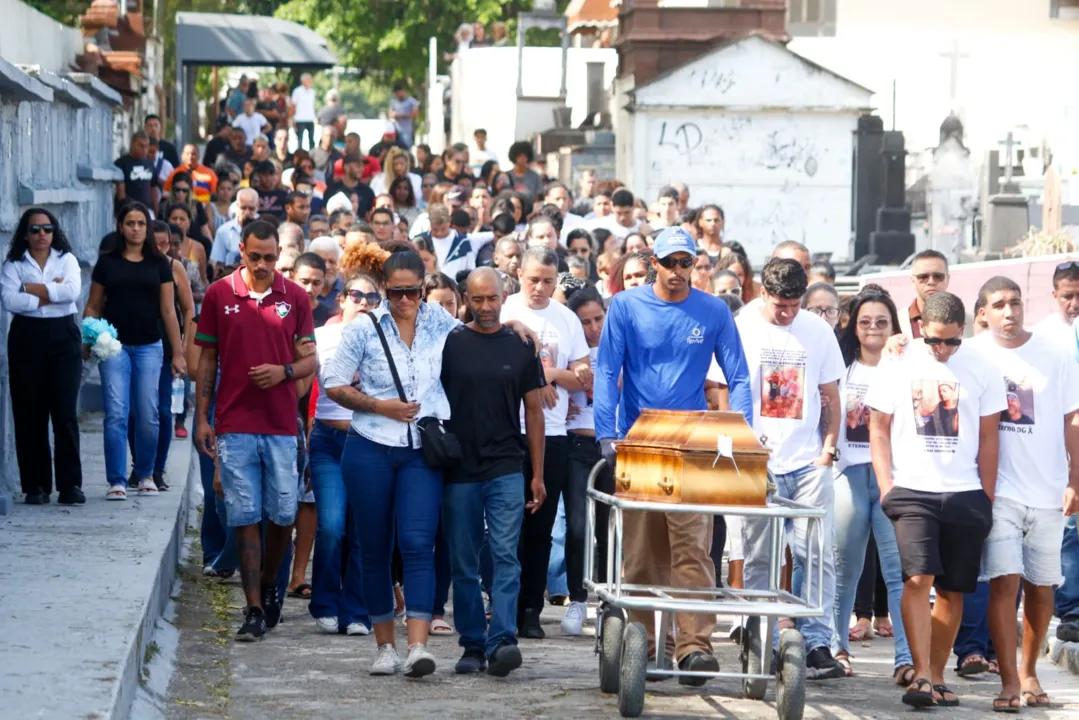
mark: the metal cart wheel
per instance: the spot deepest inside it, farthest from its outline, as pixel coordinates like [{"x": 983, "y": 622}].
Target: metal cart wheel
[
  {"x": 752, "y": 688},
  {"x": 634, "y": 670},
  {"x": 612, "y": 625},
  {"x": 791, "y": 676}
]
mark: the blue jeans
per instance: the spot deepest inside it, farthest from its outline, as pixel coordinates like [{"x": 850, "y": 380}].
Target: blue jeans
[
  {"x": 164, "y": 417},
  {"x": 1067, "y": 595},
  {"x": 857, "y": 511},
  {"x": 442, "y": 573},
  {"x": 811, "y": 486},
  {"x": 336, "y": 572},
  {"x": 501, "y": 500},
  {"x": 973, "y": 636},
  {"x": 129, "y": 385},
  {"x": 392, "y": 488},
  {"x": 214, "y": 534},
  {"x": 557, "y": 583}
]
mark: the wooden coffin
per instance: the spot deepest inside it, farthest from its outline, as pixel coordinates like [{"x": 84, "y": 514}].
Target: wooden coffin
[{"x": 671, "y": 456}]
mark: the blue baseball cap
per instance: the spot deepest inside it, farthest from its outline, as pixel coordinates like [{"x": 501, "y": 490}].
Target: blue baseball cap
[{"x": 674, "y": 240}]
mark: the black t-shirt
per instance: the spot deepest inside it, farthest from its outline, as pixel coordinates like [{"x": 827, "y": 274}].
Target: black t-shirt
[
  {"x": 214, "y": 149},
  {"x": 133, "y": 296},
  {"x": 362, "y": 196},
  {"x": 270, "y": 106},
  {"x": 272, "y": 202},
  {"x": 237, "y": 158},
  {"x": 138, "y": 179},
  {"x": 485, "y": 378},
  {"x": 168, "y": 151}
]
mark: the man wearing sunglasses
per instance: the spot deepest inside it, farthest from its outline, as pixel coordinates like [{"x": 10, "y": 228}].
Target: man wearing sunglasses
[
  {"x": 938, "y": 475},
  {"x": 660, "y": 338},
  {"x": 929, "y": 276}
]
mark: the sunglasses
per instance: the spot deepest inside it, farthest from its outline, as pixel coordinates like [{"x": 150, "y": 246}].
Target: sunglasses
[
  {"x": 924, "y": 277},
  {"x": 412, "y": 293},
  {"x": 879, "y": 323},
  {"x": 1067, "y": 265},
  {"x": 373, "y": 299},
  {"x": 950, "y": 342},
  {"x": 256, "y": 258},
  {"x": 671, "y": 263},
  {"x": 179, "y": 190},
  {"x": 46, "y": 228}
]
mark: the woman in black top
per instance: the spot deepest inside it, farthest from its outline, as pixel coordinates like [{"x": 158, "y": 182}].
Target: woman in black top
[
  {"x": 133, "y": 289},
  {"x": 41, "y": 284}
]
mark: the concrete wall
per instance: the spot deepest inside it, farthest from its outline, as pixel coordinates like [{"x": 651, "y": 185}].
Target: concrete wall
[
  {"x": 56, "y": 152},
  {"x": 32, "y": 38}
]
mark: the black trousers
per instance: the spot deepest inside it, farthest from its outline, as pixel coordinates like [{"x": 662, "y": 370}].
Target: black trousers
[
  {"x": 534, "y": 549},
  {"x": 45, "y": 357},
  {"x": 583, "y": 455}
]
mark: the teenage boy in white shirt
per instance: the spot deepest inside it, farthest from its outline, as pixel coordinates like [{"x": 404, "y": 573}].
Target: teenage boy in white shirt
[
  {"x": 934, "y": 442},
  {"x": 794, "y": 361},
  {"x": 1039, "y": 432}
]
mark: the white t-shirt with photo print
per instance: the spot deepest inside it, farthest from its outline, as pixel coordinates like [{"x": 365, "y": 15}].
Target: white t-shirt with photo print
[
  {"x": 1041, "y": 381},
  {"x": 584, "y": 419},
  {"x": 787, "y": 366},
  {"x": 561, "y": 342},
  {"x": 854, "y": 418},
  {"x": 936, "y": 411}
]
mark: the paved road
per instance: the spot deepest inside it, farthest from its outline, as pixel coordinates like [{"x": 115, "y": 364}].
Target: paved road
[{"x": 298, "y": 673}]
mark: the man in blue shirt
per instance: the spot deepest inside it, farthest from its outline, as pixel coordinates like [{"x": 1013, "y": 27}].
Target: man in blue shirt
[{"x": 661, "y": 339}]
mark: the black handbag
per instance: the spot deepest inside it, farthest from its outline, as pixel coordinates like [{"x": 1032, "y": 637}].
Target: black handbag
[{"x": 440, "y": 447}]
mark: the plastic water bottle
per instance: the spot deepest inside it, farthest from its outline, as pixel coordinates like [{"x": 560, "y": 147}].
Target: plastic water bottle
[{"x": 177, "y": 395}]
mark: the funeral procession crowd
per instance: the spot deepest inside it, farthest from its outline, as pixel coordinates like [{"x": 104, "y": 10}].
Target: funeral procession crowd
[{"x": 402, "y": 368}]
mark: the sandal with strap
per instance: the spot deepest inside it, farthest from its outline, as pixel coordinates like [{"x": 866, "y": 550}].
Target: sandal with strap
[
  {"x": 861, "y": 631},
  {"x": 844, "y": 661},
  {"x": 916, "y": 697},
  {"x": 301, "y": 592},
  {"x": 116, "y": 492},
  {"x": 440, "y": 627},
  {"x": 884, "y": 630},
  {"x": 1036, "y": 699},
  {"x": 972, "y": 665},
  {"x": 1003, "y": 704},
  {"x": 943, "y": 690},
  {"x": 903, "y": 675}
]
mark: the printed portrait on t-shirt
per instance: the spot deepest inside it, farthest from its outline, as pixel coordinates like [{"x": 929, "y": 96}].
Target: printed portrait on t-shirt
[
  {"x": 936, "y": 407},
  {"x": 782, "y": 390},
  {"x": 857, "y": 415},
  {"x": 1020, "y": 402},
  {"x": 549, "y": 353}
]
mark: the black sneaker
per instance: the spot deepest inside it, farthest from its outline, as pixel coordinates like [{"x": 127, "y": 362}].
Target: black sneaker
[
  {"x": 1066, "y": 631},
  {"x": 529, "y": 626},
  {"x": 697, "y": 662},
  {"x": 471, "y": 662},
  {"x": 271, "y": 606},
  {"x": 820, "y": 665},
  {"x": 73, "y": 496},
  {"x": 505, "y": 659},
  {"x": 36, "y": 498},
  {"x": 254, "y": 627},
  {"x": 159, "y": 480}
]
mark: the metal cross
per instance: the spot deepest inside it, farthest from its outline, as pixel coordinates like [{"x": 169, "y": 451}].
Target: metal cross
[
  {"x": 1008, "y": 143},
  {"x": 954, "y": 56}
]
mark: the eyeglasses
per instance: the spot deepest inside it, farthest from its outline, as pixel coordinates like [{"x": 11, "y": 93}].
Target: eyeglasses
[
  {"x": 923, "y": 278},
  {"x": 950, "y": 342},
  {"x": 256, "y": 258},
  {"x": 685, "y": 263},
  {"x": 411, "y": 293},
  {"x": 829, "y": 312},
  {"x": 878, "y": 323},
  {"x": 373, "y": 299},
  {"x": 45, "y": 228}
]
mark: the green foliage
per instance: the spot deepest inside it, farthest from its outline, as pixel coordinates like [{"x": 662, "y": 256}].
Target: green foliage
[{"x": 64, "y": 11}]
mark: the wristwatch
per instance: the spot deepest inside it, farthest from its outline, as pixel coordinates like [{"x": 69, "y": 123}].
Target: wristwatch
[
  {"x": 288, "y": 372},
  {"x": 833, "y": 451}
]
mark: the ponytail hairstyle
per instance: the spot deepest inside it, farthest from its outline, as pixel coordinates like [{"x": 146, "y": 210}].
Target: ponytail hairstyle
[{"x": 409, "y": 261}]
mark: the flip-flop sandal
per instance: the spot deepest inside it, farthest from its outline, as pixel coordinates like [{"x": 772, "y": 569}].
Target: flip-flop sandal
[
  {"x": 844, "y": 661},
  {"x": 993, "y": 668},
  {"x": 302, "y": 592},
  {"x": 944, "y": 702},
  {"x": 1002, "y": 704},
  {"x": 441, "y": 627},
  {"x": 916, "y": 697},
  {"x": 116, "y": 492},
  {"x": 1033, "y": 699},
  {"x": 884, "y": 631},
  {"x": 903, "y": 675},
  {"x": 860, "y": 632},
  {"x": 972, "y": 665}
]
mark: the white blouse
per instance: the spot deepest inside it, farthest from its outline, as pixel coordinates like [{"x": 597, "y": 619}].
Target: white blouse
[{"x": 62, "y": 295}]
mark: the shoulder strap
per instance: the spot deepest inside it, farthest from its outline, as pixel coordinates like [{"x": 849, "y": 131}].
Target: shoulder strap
[{"x": 393, "y": 367}]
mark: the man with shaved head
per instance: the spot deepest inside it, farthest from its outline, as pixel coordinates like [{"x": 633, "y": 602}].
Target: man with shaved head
[
  {"x": 487, "y": 373},
  {"x": 791, "y": 250}
]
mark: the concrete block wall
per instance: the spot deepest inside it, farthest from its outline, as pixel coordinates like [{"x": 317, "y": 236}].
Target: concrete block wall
[{"x": 55, "y": 151}]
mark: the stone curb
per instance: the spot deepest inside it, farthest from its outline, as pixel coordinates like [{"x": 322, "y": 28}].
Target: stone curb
[{"x": 1064, "y": 654}]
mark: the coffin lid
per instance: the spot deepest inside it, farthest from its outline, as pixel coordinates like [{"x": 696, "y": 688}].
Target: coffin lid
[{"x": 692, "y": 431}]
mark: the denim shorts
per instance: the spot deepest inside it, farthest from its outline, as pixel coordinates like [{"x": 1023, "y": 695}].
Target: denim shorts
[
  {"x": 1024, "y": 541},
  {"x": 258, "y": 474}
]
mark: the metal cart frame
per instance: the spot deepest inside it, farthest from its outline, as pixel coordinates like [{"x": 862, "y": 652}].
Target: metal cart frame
[{"x": 623, "y": 646}]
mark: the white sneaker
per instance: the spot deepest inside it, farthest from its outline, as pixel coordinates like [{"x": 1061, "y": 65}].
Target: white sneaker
[
  {"x": 573, "y": 620},
  {"x": 357, "y": 628},
  {"x": 327, "y": 624},
  {"x": 420, "y": 662},
  {"x": 387, "y": 662}
]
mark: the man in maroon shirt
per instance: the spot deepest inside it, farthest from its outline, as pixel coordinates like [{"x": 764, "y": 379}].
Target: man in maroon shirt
[{"x": 248, "y": 326}]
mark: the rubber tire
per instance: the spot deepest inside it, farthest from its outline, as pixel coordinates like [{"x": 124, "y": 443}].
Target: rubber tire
[
  {"x": 752, "y": 689},
  {"x": 610, "y": 649},
  {"x": 791, "y": 676},
  {"x": 634, "y": 672}
]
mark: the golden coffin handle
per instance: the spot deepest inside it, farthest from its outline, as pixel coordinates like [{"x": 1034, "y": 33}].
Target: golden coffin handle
[
  {"x": 623, "y": 480},
  {"x": 665, "y": 485}
]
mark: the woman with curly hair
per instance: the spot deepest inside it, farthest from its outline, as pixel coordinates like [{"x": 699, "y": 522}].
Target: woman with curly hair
[{"x": 631, "y": 271}]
